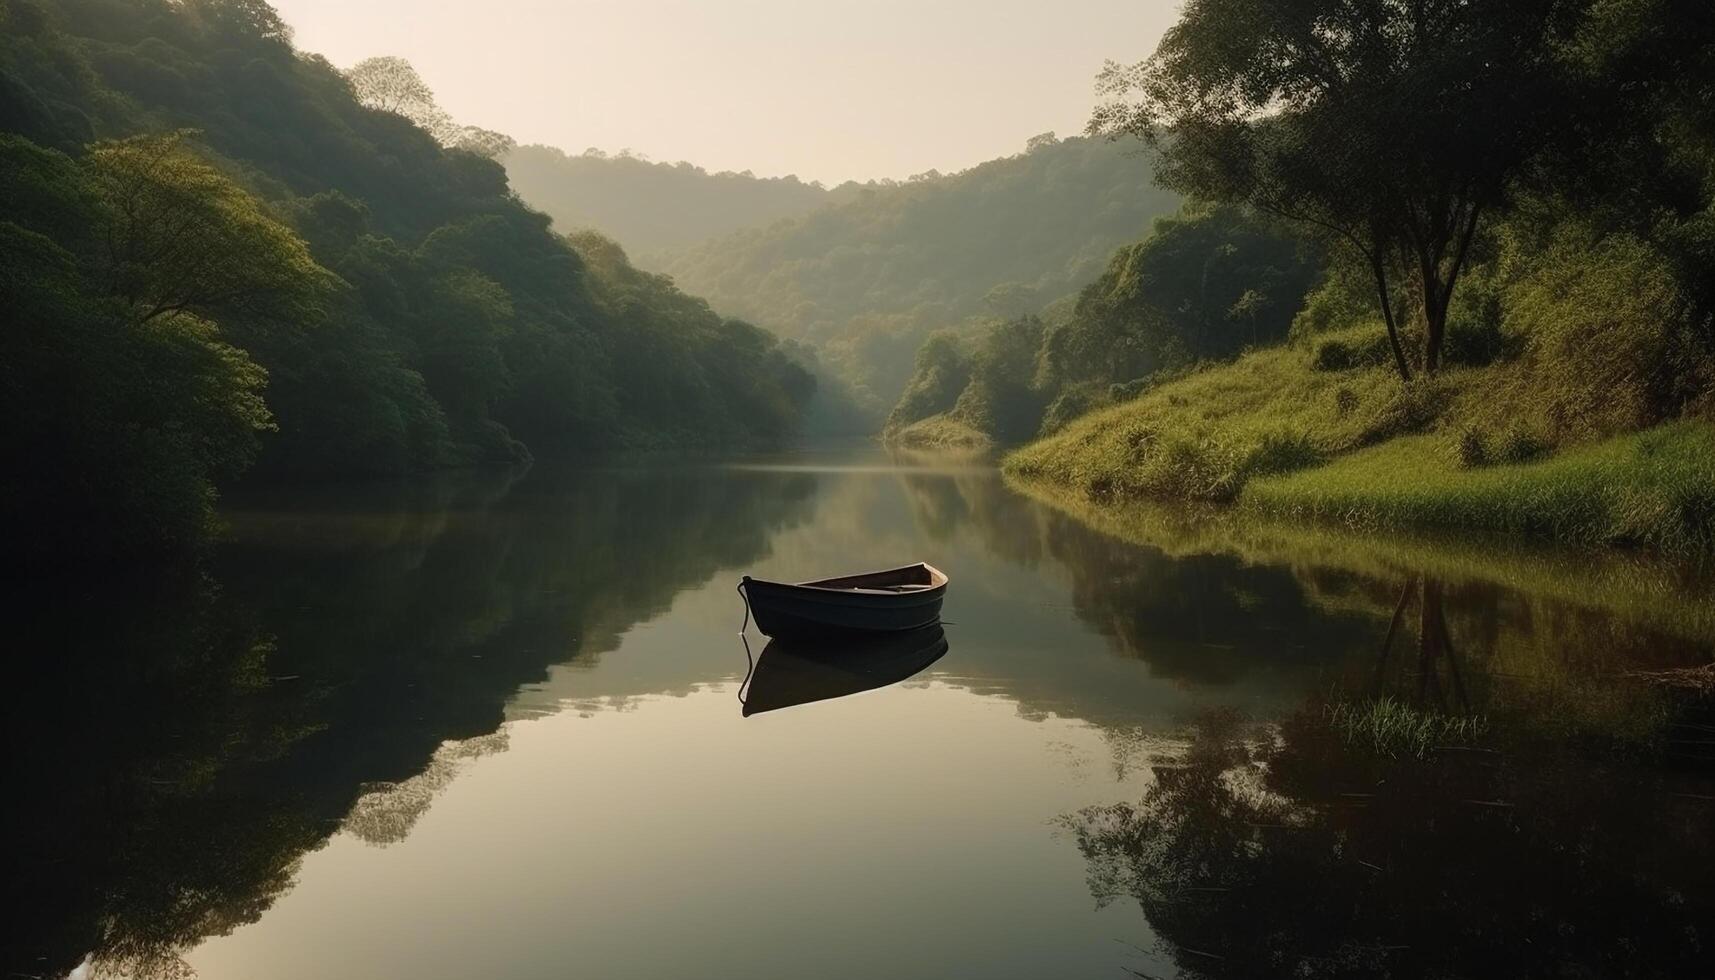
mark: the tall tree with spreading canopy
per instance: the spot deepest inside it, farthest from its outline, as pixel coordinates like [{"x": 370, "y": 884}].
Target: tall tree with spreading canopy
[
  {"x": 180, "y": 237},
  {"x": 1393, "y": 126},
  {"x": 391, "y": 84}
]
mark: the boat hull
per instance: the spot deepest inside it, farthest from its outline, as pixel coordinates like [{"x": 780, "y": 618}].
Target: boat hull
[{"x": 801, "y": 611}]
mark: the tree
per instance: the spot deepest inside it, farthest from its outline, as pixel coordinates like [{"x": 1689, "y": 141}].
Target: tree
[
  {"x": 182, "y": 238},
  {"x": 242, "y": 18},
  {"x": 943, "y": 371},
  {"x": 1646, "y": 164},
  {"x": 483, "y": 142},
  {"x": 128, "y": 422},
  {"x": 390, "y": 84},
  {"x": 1393, "y": 127}
]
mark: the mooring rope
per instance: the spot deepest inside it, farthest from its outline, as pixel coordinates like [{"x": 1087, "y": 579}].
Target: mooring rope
[
  {"x": 749, "y": 661},
  {"x": 749, "y": 667}
]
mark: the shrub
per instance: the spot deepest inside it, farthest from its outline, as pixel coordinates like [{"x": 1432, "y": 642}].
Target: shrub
[
  {"x": 1074, "y": 401},
  {"x": 1281, "y": 452},
  {"x": 1346, "y": 298},
  {"x": 1367, "y": 347},
  {"x": 1403, "y": 410},
  {"x": 1333, "y": 355},
  {"x": 1605, "y": 337},
  {"x": 1477, "y": 343},
  {"x": 1474, "y": 334},
  {"x": 1470, "y": 449},
  {"x": 1518, "y": 445},
  {"x": 1345, "y": 401}
]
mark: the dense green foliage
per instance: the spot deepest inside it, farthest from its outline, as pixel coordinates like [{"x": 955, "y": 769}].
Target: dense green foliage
[
  {"x": 1322, "y": 429},
  {"x": 1394, "y": 129},
  {"x": 394, "y": 303},
  {"x": 652, "y": 207},
  {"x": 867, "y": 279},
  {"x": 1583, "y": 318},
  {"x": 124, "y": 402},
  {"x": 1203, "y": 286}
]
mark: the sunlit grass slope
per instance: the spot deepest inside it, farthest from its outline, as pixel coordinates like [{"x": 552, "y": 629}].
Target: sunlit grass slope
[
  {"x": 1474, "y": 450},
  {"x": 1204, "y": 436},
  {"x": 1653, "y": 488}
]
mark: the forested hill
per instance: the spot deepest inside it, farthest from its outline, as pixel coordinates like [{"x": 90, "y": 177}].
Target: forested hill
[
  {"x": 868, "y": 278},
  {"x": 216, "y": 254},
  {"x": 651, "y": 207}
]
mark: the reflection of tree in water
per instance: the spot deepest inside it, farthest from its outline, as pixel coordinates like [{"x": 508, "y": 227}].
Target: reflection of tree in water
[
  {"x": 386, "y": 812},
  {"x": 130, "y": 830},
  {"x": 1483, "y": 792},
  {"x": 1209, "y": 619},
  {"x": 1292, "y": 850},
  {"x": 185, "y": 743},
  {"x": 1437, "y": 663},
  {"x": 1202, "y": 618},
  {"x": 942, "y": 503}
]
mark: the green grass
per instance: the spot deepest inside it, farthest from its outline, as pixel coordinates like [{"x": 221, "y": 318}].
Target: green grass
[
  {"x": 1204, "y": 436},
  {"x": 1393, "y": 729},
  {"x": 1654, "y": 488},
  {"x": 1474, "y": 450}
]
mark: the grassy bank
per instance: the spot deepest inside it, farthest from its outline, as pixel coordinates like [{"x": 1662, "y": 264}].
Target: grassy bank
[
  {"x": 1654, "y": 488},
  {"x": 1296, "y": 432},
  {"x": 941, "y": 432},
  {"x": 1635, "y": 587}
]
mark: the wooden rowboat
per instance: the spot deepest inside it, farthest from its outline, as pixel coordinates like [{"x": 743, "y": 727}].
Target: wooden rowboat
[
  {"x": 793, "y": 672},
  {"x": 887, "y": 601}
]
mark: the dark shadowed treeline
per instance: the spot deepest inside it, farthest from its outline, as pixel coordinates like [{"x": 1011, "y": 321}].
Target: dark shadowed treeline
[
  {"x": 324, "y": 672},
  {"x": 216, "y": 256}
]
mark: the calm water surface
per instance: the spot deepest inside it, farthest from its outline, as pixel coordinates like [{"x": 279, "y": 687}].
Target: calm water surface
[{"x": 490, "y": 725}]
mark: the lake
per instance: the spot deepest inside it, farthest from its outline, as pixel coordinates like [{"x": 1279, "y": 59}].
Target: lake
[{"x": 490, "y": 724}]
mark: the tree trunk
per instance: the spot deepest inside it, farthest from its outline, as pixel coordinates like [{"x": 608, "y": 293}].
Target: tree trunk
[
  {"x": 1387, "y": 316},
  {"x": 1434, "y": 326},
  {"x": 1438, "y": 294},
  {"x": 1434, "y": 332}
]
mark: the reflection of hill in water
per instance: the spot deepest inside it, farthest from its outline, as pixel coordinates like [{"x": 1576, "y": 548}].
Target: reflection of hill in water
[
  {"x": 181, "y": 742},
  {"x": 1557, "y": 823},
  {"x": 1228, "y": 617},
  {"x": 1201, "y": 628}
]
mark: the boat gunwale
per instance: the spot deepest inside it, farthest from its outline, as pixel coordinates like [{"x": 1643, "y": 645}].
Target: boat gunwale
[{"x": 937, "y": 582}]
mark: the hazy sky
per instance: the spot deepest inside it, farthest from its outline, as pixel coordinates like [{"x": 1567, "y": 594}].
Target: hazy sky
[{"x": 826, "y": 89}]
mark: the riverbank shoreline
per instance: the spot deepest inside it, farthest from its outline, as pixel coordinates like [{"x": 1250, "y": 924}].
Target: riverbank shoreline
[
  {"x": 1477, "y": 450},
  {"x": 1628, "y": 583}
]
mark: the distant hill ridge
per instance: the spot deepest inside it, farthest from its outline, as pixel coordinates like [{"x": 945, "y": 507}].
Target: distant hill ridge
[
  {"x": 862, "y": 272},
  {"x": 652, "y": 207},
  {"x": 866, "y": 279}
]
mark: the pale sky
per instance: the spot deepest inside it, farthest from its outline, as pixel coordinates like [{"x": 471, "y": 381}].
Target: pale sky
[{"x": 825, "y": 89}]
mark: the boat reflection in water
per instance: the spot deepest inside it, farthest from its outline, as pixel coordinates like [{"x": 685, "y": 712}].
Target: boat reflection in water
[{"x": 791, "y": 672}]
